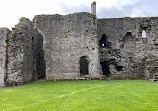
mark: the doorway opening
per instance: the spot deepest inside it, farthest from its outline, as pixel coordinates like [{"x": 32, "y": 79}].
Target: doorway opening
[
  {"x": 105, "y": 68},
  {"x": 84, "y": 66}
]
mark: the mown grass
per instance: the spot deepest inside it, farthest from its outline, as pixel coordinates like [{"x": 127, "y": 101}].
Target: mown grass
[{"x": 122, "y": 95}]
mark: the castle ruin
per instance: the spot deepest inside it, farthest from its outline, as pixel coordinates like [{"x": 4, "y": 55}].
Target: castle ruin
[{"x": 79, "y": 46}]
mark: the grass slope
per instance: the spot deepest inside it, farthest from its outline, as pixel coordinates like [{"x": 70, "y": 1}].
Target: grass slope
[{"x": 122, "y": 95}]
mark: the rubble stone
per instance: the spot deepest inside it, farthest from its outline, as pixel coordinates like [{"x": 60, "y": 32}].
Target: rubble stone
[
  {"x": 79, "y": 46},
  {"x": 3, "y": 53}
]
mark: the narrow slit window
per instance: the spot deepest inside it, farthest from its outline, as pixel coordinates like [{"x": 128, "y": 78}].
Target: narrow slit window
[{"x": 143, "y": 34}]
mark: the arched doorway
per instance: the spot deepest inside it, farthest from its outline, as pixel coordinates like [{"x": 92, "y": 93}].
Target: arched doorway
[{"x": 84, "y": 65}]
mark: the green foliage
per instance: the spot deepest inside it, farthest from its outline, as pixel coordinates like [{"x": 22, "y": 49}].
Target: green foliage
[{"x": 122, "y": 95}]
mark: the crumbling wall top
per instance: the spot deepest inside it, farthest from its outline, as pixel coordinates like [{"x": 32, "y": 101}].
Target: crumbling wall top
[{"x": 93, "y": 7}]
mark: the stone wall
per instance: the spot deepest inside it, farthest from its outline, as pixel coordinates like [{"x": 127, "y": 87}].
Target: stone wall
[
  {"x": 66, "y": 40},
  {"x": 78, "y": 46},
  {"x": 132, "y": 53},
  {"x": 4, "y": 32},
  {"x": 38, "y": 55},
  {"x": 21, "y": 65}
]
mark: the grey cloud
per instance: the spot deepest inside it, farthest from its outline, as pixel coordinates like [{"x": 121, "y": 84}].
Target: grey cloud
[
  {"x": 139, "y": 8},
  {"x": 143, "y": 8},
  {"x": 146, "y": 8},
  {"x": 68, "y": 9},
  {"x": 114, "y": 12},
  {"x": 109, "y": 13}
]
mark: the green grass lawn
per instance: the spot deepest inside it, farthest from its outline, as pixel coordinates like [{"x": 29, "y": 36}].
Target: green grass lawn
[{"x": 95, "y": 95}]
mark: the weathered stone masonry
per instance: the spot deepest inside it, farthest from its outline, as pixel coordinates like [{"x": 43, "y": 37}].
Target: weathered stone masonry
[
  {"x": 20, "y": 57},
  {"x": 66, "y": 40},
  {"x": 3, "y": 53},
  {"x": 21, "y": 54},
  {"x": 126, "y": 49},
  {"x": 79, "y": 46}
]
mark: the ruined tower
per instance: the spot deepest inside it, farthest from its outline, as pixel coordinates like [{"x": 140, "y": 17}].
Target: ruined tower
[
  {"x": 93, "y": 8},
  {"x": 71, "y": 45}
]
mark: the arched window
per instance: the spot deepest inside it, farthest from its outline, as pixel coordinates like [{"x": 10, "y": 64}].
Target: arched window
[
  {"x": 143, "y": 34},
  {"x": 103, "y": 41},
  {"x": 83, "y": 65}
]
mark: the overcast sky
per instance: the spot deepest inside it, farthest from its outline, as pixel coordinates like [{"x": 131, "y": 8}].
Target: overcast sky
[{"x": 12, "y": 10}]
